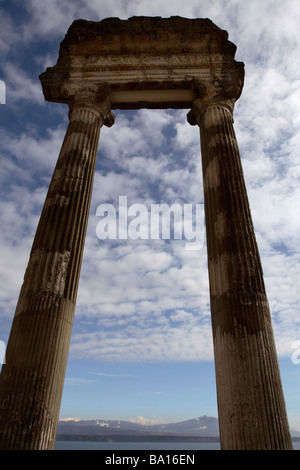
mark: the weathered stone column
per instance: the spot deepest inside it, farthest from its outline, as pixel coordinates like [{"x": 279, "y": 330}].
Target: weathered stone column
[
  {"x": 251, "y": 406},
  {"x": 32, "y": 379}
]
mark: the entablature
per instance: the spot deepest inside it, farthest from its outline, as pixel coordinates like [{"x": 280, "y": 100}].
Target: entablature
[{"x": 148, "y": 62}]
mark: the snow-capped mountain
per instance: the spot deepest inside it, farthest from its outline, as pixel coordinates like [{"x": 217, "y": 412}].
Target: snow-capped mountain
[{"x": 201, "y": 426}]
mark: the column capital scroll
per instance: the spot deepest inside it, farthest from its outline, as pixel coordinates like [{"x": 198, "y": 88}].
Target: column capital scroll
[
  {"x": 90, "y": 96},
  {"x": 199, "y": 107},
  {"x": 216, "y": 92}
]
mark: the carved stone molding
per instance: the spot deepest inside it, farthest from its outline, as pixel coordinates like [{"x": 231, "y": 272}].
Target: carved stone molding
[
  {"x": 89, "y": 96},
  {"x": 216, "y": 92},
  {"x": 148, "y": 62}
]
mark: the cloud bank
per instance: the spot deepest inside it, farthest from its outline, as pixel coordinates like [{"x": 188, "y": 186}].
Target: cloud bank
[{"x": 148, "y": 300}]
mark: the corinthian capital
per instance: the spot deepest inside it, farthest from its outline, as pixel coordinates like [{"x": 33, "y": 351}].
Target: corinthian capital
[
  {"x": 221, "y": 89},
  {"x": 91, "y": 96}
]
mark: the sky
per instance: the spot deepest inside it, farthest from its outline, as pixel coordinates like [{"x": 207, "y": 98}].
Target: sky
[{"x": 141, "y": 347}]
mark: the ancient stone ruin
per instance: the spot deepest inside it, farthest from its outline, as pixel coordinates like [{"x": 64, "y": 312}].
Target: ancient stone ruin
[{"x": 129, "y": 64}]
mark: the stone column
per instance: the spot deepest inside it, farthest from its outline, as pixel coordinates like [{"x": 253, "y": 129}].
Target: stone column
[
  {"x": 251, "y": 406},
  {"x": 32, "y": 379}
]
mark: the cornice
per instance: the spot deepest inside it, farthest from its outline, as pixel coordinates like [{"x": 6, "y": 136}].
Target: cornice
[{"x": 150, "y": 54}]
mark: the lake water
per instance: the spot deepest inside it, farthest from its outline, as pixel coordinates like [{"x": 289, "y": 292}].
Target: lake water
[{"x": 112, "y": 446}]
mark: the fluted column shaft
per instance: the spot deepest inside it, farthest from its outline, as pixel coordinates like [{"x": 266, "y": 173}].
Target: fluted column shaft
[
  {"x": 32, "y": 379},
  {"x": 251, "y": 405}
]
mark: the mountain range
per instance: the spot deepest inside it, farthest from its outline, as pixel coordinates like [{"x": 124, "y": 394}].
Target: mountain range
[{"x": 101, "y": 429}]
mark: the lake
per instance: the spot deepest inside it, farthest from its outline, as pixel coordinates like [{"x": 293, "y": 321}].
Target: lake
[{"x": 111, "y": 446}]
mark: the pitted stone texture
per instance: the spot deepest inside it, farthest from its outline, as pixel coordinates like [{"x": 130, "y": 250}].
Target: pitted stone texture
[
  {"x": 252, "y": 414},
  {"x": 32, "y": 378},
  {"x": 148, "y": 62}
]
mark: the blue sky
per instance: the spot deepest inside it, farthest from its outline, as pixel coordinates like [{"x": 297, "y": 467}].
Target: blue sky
[{"x": 141, "y": 347}]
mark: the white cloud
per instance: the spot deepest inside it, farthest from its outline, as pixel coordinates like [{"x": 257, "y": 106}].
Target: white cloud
[
  {"x": 102, "y": 374},
  {"x": 147, "y": 421},
  {"x": 75, "y": 381},
  {"x": 50, "y": 18},
  {"x": 10, "y": 34},
  {"x": 27, "y": 161},
  {"x": 142, "y": 343},
  {"x": 19, "y": 214},
  {"x": 20, "y": 87},
  {"x": 149, "y": 301},
  {"x": 31, "y": 153}
]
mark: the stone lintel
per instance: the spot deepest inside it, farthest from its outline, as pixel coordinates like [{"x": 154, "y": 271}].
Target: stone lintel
[
  {"x": 159, "y": 98},
  {"x": 148, "y": 62}
]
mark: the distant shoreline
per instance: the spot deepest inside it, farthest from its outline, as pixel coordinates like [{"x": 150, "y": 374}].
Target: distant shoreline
[
  {"x": 140, "y": 438},
  {"x": 135, "y": 438}
]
